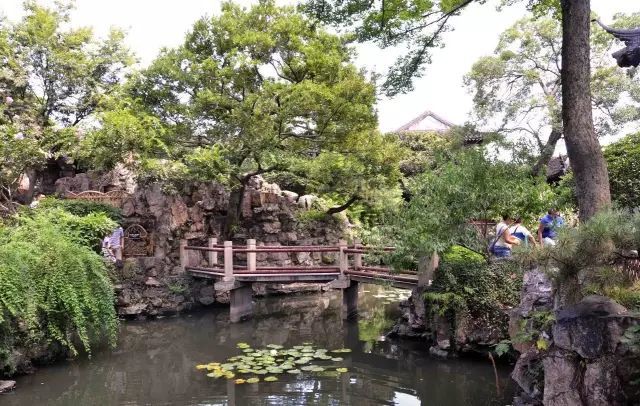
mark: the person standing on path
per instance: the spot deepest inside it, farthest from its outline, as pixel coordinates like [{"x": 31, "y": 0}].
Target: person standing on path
[
  {"x": 116, "y": 242},
  {"x": 548, "y": 228},
  {"x": 503, "y": 241}
]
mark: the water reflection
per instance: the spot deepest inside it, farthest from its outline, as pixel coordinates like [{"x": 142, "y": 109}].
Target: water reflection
[{"x": 154, "y": 363}]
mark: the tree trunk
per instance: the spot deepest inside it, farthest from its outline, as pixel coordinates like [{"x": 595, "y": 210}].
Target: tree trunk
[
  {"x": 547, "y": 152},
  {"x": 583, "y": 148},
  {"x": 234, "y": 213}
]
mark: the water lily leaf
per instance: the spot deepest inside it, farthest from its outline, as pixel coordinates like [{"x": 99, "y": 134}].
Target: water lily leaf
[
  {"x": 229, "y": 375},
  {"x": 275, "y": 370},
  {"x": 260, "y": 372},
  {"x": 270, "y": 379},
  {"x": 242, "y": 345},
  {"x": 342, "y": 350},
  {"x": 337, "y": 359},
  {"x": 240, "y": 381},
  {"x": 227, "y": 366},
  {"x": 248, "y": 350},
  {"x": 317, "y": 369},
  {"x": 201, "y": 366},
  {"x": 243, "y": 371},
  {"x": 275, "y": 346},
  {"x": 293, "y": 371},
  {"x": 253, "y": 380},
  {"x": 307, "y": 368},
  {"x": 341, "y": 370}
]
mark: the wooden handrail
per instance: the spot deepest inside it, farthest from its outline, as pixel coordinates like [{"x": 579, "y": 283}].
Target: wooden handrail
[{"x": 229, "y": 270}]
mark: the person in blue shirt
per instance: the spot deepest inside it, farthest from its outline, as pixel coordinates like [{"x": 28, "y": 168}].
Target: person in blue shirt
[{"x": 548, "y": 228}]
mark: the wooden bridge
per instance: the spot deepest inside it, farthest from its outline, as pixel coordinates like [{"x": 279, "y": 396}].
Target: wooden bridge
[{"x": 237, "y": 279}]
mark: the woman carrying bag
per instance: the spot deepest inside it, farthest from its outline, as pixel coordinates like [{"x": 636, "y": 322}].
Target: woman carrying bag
[{"x": 501, "y": 246}]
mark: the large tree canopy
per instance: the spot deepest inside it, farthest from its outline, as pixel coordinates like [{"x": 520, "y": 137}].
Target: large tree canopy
[
  {"x": 52, "y": 77},
  {"x": 518, "y": 88},
  {"x": 260, "y": 91}
]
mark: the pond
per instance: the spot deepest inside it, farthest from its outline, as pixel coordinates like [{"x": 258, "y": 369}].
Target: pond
[{"x": 155, "y": 362}]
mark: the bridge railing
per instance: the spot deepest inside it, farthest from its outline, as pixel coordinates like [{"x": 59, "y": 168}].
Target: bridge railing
[{"x": 228, "y": 269}]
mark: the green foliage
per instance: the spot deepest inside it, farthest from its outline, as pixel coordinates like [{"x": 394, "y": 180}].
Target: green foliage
[
  {"x": 590, "y": 258},
  {"x": 54, "y": 289},
  {"x": 520, "y": 83},
  {"x": 415, "y": 25},
  {"x": 277, "y": 94},
  {"x": 84, "y": 229},
  {"x": 81, "y": 208},
  {"x": 56, "y": 77},
  {"x": 468, "y": 186},
  {"x": 465, "y": 282},
  {"x": 623, "y": 162}
]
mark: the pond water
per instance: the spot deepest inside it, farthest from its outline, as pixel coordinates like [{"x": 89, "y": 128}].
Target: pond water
[{"x": 154, "y": 363}]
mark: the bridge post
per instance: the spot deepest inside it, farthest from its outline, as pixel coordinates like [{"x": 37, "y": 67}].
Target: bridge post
[
  {"x": 240, "y": 301},
  {"x": 212, "y": 255},
  {"x": 183, "y": 255},
  {"x": 350, "y": 301},
  {"x": 343, "y": 259},
  {"x": 228, "y": 261},
  {"x": 251, "y": 256},
  {"x": 357, "y": 257}
]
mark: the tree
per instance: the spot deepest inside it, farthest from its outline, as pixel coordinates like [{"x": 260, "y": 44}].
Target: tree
[
  {"x": 420, "y": 25},
  {"x": 583, "y": 148},
  {"x": 415, "y": 24},
  {"x": 52, "y": 78},
  {"x": 464, "y": 187},
  {"x": 271, "y": 92},
  {"x": 623, "y": 158},
  {"x": 518, "y": 89}
]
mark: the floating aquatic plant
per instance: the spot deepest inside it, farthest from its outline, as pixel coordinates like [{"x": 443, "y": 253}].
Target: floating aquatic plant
[{"x": 273, "y": 360}]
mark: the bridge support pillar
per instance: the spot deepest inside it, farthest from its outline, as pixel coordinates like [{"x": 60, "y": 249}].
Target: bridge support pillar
[
  {"x": 350, "y": 301},
  {"x": 240, "y": 301}
]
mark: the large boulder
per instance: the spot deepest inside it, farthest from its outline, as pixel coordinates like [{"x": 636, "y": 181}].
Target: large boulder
[{"x": 592, "y": 328}]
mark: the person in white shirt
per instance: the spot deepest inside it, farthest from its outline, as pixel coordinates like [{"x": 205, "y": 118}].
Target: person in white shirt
[
  {"x": 501, "y": 246},
  {"x": 522, "y": 233}
]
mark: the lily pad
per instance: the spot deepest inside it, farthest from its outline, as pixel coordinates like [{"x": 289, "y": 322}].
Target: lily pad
[
  {"x": 343, "y": 350},
  {"x": 240, "y": 381},
  {"x": 317, "y": 369},
  {"x": 341, "y": 370},
  {"x": 242, "y": 345},
  {"x": 201, "y": 366},
  {"x": 253, "y": 380},
  {"x": 270, "y": 379},
  {"x": 337, "y": 359},
  {"x": 275, "y": 346},
  {"x": 308, "y": 368},
  {"x": 293, "y": 371}
]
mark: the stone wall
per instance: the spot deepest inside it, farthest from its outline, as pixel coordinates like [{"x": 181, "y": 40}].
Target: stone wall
[
  {"x": 585, "y": 360},
  {"x": 155, "y": 284}
]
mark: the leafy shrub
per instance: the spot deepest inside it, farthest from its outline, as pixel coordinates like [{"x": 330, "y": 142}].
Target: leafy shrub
[
  {"x": 87, "y": 230},
  {"x": 590, "y": 258},
  {"x": 81, "y": 207},
  {"x": 466, "y": 282},
  {"x": 622, "y": 158},
  {"x": 52, "y": 285}
]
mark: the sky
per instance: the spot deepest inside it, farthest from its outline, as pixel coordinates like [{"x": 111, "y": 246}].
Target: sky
[{"x": 153, "y": 24}]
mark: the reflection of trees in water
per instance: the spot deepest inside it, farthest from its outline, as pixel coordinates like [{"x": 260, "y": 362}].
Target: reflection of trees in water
[{"x": 154, "y": 363}]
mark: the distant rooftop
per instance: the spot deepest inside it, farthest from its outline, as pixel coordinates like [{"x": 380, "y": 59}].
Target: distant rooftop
[{"x": 428, "y": 121}]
